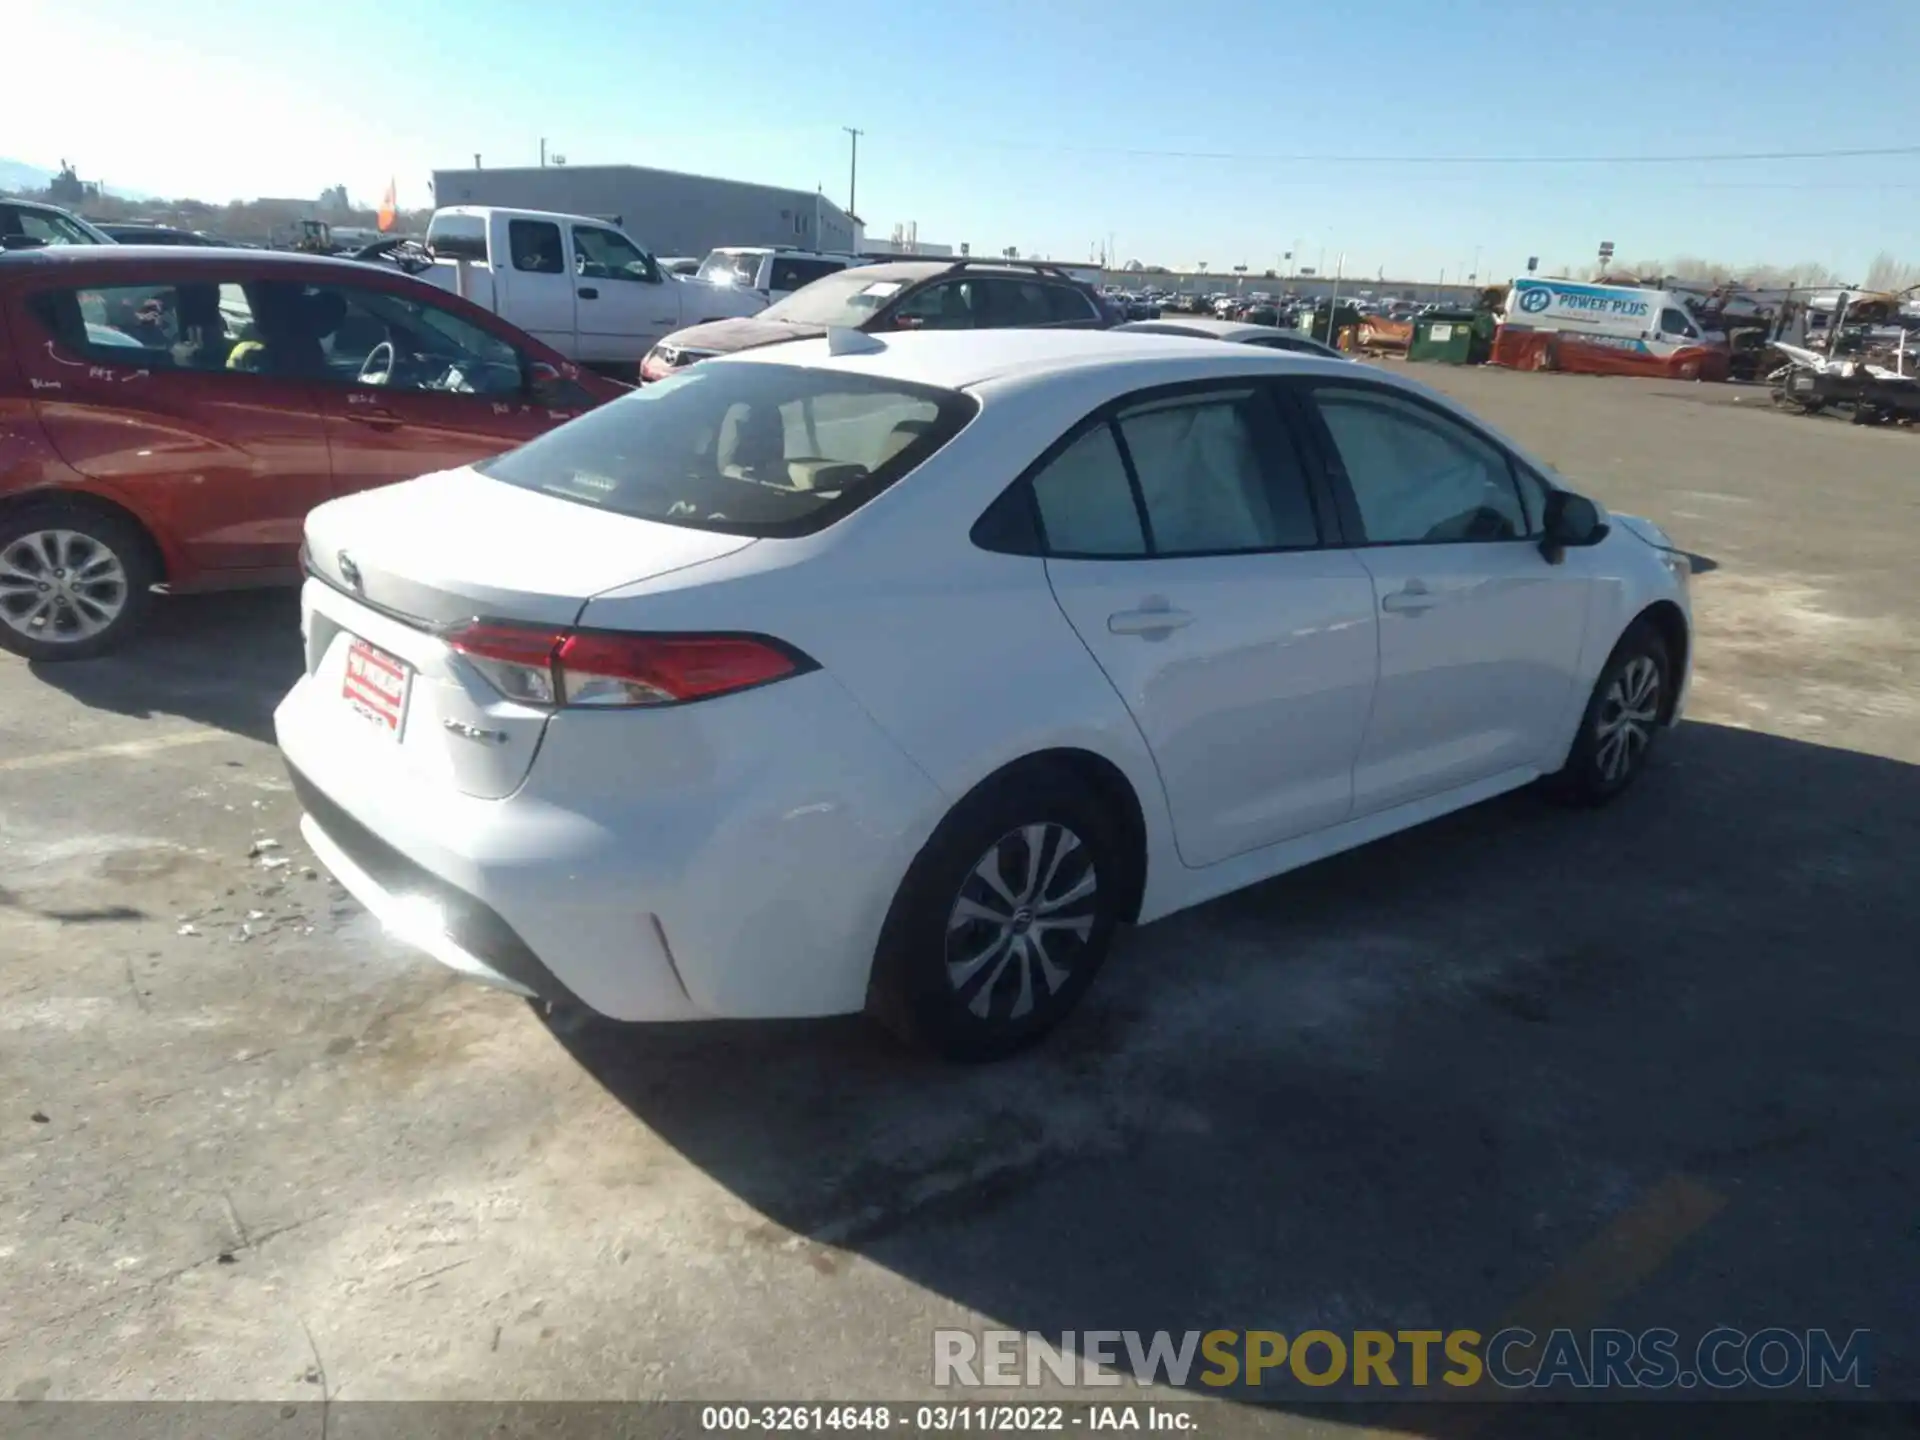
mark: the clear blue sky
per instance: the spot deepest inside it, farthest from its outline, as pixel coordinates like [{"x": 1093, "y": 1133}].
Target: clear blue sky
[{"x": 1010, "y": 122}]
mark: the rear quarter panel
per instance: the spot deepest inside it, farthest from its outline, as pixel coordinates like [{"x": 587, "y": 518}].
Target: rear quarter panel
[{"x": 961, "y": 656}]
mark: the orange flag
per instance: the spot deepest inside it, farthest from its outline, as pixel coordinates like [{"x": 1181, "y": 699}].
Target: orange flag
[{"x": 388, "y": 210}]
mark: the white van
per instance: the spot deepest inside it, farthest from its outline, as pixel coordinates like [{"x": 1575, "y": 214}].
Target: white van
[{"x": 1648, "y": 322}]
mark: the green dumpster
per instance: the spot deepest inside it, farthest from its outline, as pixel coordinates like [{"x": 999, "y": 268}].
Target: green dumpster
[{"x": 1460, "y": 337}]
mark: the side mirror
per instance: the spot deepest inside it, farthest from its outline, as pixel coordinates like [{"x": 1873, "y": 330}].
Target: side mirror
[
  {"x": 1571, "y": 522},
  {"x": 21, "y": 242}
]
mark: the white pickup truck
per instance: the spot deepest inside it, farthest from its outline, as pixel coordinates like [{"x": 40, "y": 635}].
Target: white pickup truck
[{"x": 579, "y": 284}]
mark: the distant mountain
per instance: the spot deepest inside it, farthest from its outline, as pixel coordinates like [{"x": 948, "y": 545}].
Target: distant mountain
[{"x": 18, "y": 175}]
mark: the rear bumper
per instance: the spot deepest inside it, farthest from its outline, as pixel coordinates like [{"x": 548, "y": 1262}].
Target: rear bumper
[
  {"x": 733, "y": 859},
  {"x": 452, "y": 926}
]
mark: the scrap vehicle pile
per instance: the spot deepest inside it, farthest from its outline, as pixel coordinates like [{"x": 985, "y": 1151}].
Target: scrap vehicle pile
[{"x": 1855, "y": 353}]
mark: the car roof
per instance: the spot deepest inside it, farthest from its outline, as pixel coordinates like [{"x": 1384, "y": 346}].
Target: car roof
[
  {"x": 960, "y": 359},
  {"x": 1213, "y": 329},
  {"x": 111, "y": 257}
]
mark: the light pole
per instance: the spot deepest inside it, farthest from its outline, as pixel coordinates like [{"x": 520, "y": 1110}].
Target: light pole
[
  {"x": 1473, "y": 275},
  {"x": 853, "y": 169}
]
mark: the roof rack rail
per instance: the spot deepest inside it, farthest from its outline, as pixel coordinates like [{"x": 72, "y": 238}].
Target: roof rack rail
[{"x": 989, "y": 262}]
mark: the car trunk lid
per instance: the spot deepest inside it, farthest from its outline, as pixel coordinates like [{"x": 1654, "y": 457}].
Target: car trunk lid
[{"x": 397, "y": 571}]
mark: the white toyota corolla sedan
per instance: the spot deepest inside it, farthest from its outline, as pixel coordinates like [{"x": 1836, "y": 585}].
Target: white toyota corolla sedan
[{"x": 893, "y": 673}]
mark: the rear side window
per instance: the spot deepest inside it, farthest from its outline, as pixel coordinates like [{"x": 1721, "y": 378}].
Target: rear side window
[
  {"x": 157, "y": 325},
  {"x": 745, "y": 449},
  {"x": 1086, "y": 501},
  {"x": 1067, "y": 305},
  {"x": 792, "y": 274},
  {"x": 536, "y": 247}
]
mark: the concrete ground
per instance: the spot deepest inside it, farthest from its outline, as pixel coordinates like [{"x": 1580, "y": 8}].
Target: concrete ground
[{"x": 252, "y": 1149}]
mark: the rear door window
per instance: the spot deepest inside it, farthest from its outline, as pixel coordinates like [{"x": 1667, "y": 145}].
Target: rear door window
[
  {"x": 1216, "y": 476},
  {"x": 745, "y": 449},
  {"x": 158, "y": 325},
  {"x": 950, "y": 305}
]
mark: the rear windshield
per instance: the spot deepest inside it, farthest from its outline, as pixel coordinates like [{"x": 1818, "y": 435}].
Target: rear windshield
[
  {"x": 722, "y": 267},
  {"x": 742, "y": 448}
]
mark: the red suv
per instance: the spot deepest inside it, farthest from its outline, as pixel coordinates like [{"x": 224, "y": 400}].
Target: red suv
[{"x": 169, "y": 416}]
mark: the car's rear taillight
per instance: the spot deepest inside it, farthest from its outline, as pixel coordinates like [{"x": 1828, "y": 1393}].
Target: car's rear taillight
[{"x": 539, "y": 666}]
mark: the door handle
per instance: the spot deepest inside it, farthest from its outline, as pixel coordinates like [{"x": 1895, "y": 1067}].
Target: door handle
[
  {"x": 1147, "y": 622},
  {"x": 1411, "y": 599},
  {"x": 587, "y": 292},
  {"x": 376, "y": 416}
]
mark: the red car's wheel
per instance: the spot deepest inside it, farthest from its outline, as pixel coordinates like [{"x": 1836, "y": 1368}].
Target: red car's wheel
[{"x": 74, "y": 581}]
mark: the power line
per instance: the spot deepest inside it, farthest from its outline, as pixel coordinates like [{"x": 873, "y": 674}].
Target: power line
[{"x": 1728, "y": 157}]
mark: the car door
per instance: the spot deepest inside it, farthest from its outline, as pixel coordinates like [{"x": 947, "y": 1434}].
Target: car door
[
  {"x": 1479, "y": 634},
  {"x": 626, "y": 304},
  {"x": 156, "y": 386},
  {"x": 541, "y": 284},
  {"x": 1185, "y": 548},
  {"x": 409, "y": 385}
]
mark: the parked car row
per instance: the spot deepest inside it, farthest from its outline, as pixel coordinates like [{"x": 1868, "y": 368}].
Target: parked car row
[{"x": 573, "y": 669}]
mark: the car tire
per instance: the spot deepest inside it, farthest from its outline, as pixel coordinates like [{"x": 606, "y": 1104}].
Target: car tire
[
  {"x": 1623, "y": 719},
  {"x": 75, "y": 582},
  {"x": 1003, "y": 919}
]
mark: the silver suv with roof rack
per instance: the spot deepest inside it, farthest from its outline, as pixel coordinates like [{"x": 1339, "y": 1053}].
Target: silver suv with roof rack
[{"x": 963, "y": 294}]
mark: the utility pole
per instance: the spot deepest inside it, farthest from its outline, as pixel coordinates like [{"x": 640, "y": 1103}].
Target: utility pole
[
  {"x": 853, "y": 169},
  {"x": 543, "y": 152}
]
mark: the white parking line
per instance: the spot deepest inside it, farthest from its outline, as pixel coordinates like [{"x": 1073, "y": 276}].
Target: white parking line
[{"x": 124, "y": 750}]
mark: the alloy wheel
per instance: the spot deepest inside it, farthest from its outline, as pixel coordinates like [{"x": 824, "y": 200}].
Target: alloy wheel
[
  {"x": 1627, "y": 718},
  {"x": 61, "y": 586},
  {"x": 1021, "y": 921}
]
